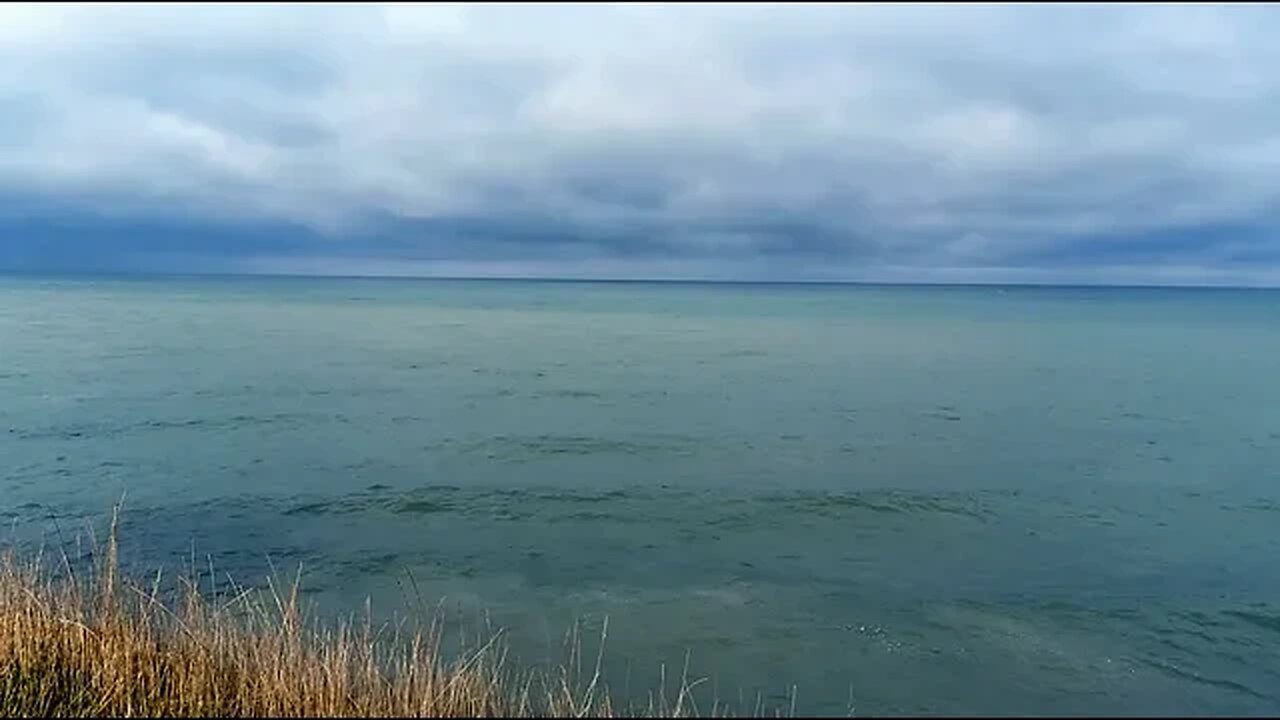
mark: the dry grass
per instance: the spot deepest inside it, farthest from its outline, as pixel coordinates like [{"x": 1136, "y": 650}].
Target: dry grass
[{"x": 102, "y": 646}]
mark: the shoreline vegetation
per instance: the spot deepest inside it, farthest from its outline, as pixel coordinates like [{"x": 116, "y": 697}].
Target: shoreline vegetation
[{"x": 97, "y": 644}]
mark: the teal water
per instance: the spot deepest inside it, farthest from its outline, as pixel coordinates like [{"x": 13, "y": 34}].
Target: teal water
[{"x": 911, "y": 500}]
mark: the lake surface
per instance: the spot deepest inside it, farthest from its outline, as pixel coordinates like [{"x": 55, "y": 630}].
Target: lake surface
[{"x": 908, "y": 500}]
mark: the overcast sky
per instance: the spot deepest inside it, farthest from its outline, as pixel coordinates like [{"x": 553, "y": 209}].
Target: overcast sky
[{"x": 1049, "y": 143}]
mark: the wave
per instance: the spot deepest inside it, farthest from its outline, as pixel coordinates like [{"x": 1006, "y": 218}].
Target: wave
[
  {"x": 516, "y": 448},
  {"x": 884, "y": 501},
  {"x": 85, "y": 430},
  {"x": 1265, "y": 621},
  {"x": 655, "y": 505}
]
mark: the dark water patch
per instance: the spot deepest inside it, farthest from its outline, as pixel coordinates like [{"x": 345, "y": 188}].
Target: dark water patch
[
  {"x": 440, "y": 488},
  {"x": 844, "y": 502},
  {"x": 506, "y": 504},
  {"x": 518, "y": 448},
  {"x": 422, "y": 507},
  {"x": 1174, "y": 671},
  {"x": 1144, "y": 419},
  {"x": 101, "y": 430},
  {"x": 348, "y": 505},
  {"x": 881, "y": 502},
  {"x": 378, "y": 497},
  {"x": 740, "y": 512},
  {"x": 492, "y": 393},
  {"x": 569, "y": 394},
  {"x": 589, "y": 516},
  {"x": 1265, "y": 621},
  {"x": 504, "y": 512},
  {"x": 581, "y": 497},
  {"x": 644, "y": 394},
  {"x": 318, "y": 508},
  {"x": 71, "y": 432},
  {"x": 743, "y": 354},
  {"x": 184, "y": 424},
  {"x": 1197, "y": 618},
  {"x": 508, "y": 372},
  {"x": 734, "y": 521}
]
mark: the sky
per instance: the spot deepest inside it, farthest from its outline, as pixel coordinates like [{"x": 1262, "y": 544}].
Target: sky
[{"x": 1112, "y": 144}]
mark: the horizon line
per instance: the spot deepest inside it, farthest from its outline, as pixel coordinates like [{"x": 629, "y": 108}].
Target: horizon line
[{"x": 623, "y": 281}]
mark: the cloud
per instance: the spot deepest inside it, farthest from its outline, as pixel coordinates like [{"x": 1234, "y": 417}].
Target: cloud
[{"x": 1076, "y": 143}]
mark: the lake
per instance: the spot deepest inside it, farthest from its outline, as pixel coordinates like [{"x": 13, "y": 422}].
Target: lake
[{"x": 952, "y": 500}]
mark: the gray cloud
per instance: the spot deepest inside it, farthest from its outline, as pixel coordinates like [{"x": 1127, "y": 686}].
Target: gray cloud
[{"x": 859, "y": 141}]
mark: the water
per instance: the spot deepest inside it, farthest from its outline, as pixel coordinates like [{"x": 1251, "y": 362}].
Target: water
[{"x": 911, "y": 500}]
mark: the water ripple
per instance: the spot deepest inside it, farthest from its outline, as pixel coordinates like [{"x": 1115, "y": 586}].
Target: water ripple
[
  {"x": 105, "y": 430},
  {"x": 1265, "y": 621},
  {"x": 520, "y": 448}
]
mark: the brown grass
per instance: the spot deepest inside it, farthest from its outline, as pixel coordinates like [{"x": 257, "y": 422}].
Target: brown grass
[{"x": 102, "y": 646}]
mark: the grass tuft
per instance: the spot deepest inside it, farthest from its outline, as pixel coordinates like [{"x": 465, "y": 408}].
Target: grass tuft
[{"x": 99, "y": 645}]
